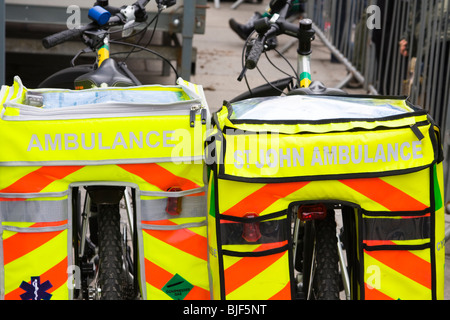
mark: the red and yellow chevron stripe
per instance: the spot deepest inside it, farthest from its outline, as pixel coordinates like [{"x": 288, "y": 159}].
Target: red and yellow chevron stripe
[
  {"x": 259, "y": 278},
  {"x": 398, "y": 274},
  {"x": 386, "y": 194},
  {"x": 261, "y": 198},
  {"x": 375, "y": 194},
  {"x": 161, "y": 176},
  {"x": 36, "y": 254},
  {"x": 37, "y": 180},
  {"x": 265, "y": 277},
  {"x": 171, "y": 252},
  {"x": 26, "y": 252}
]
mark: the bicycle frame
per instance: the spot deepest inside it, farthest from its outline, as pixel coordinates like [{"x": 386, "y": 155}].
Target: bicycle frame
[
  {"x": 103, "y": 52},
  {"x": 304, "y": 70}
]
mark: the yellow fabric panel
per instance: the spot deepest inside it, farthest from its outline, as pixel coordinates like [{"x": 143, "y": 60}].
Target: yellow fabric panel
[
  {"x": 235, "y": 192},
  {"x": 36, "y": 262},
  {"x": 192, "y": 268},
  {"x": 419, "y": 191},
  {"x": 392, "y": 283},
  {"x": 155, "y": 293},
  {"x": 8, "y": 175},
  {"x": 309, "y": 155},
  {"x": 98, "y": 139},
  {"x": 266, "y": 284},
  {"x": 440, "y": 238}
]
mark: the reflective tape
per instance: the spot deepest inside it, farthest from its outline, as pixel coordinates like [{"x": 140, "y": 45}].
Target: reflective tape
[
  {"x": 153, "y": 210},
  {"x": 36, "y": 211}
]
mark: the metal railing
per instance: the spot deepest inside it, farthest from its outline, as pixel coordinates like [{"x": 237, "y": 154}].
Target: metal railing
[
  {"x": 2, "y": 42},
  {"x": 367, "y": 36}
]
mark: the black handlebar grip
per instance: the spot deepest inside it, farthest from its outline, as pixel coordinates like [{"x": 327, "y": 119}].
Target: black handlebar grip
[
  {"x": 255, "y": 53},
  {"x": 61, "y": 37}
]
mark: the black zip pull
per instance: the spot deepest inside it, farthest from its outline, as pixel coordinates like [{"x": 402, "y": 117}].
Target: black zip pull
[
  {"x": 417, "y": 132},
  {"x": 203, "y": 116},
  {"x": 192, "y": 118},
  {"x": 192, "y": 114}
]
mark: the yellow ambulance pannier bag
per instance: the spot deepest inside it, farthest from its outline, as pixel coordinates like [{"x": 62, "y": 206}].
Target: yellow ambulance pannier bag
[
  {"x": 380, "y": 155},
  {"x": 147, "y": 138}
]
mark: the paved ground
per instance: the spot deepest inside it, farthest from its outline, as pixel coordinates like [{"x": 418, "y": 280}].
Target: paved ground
[{"x": 219, "y": 65}]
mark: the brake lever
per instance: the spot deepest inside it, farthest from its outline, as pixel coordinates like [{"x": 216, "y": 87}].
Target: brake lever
[
  {"x": 85, "y": 50},
  {"x": 242, "y": 75},
  {"x": 139, "y": 10}
]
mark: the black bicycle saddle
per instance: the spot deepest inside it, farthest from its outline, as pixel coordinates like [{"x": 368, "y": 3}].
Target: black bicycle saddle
[
  {"x": 108, "y": 74},
  {"x": 317, "y": 88}
]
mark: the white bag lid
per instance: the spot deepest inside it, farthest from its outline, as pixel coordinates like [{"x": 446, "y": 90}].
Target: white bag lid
[{"x": 304, "y": 107}]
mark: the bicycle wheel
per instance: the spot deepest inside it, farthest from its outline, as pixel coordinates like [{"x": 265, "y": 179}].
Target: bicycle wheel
[
  {"x": 64, "y": 79},
  {"x": 325, "y": 282},
  {"x": 110, "y": 277}
]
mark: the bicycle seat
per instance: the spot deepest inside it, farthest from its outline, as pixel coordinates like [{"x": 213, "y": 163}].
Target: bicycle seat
[
  {"x": 108, "y": 73},
  {"x": 317, "y": 88}
]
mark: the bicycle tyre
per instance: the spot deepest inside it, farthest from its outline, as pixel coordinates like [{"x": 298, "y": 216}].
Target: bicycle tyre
[
  {"x": 326, "y": 277},
  {"x": 265, "y": 90},
  {"x": 65, "y": 78},
  {"x": 110, "y": 253}
]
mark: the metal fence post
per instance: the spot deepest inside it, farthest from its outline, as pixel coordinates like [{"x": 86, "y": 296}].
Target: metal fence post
[
  {"x": 2, "y": 42},
  {"x": 188, "y": 34}
]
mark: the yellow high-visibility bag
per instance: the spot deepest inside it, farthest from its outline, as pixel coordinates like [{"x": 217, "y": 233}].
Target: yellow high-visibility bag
[
  {"x": 380, "y": 156},
  {"x": 147, "y": 138}
]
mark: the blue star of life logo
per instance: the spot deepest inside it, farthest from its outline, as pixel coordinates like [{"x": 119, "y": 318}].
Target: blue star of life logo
[{"x": 36, "y": 290}]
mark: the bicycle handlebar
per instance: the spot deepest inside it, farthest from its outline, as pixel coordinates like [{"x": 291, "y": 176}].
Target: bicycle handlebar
[
  {"x": 118, "y": 18},
  {"x": 63, "y": 36},
  {"x": 276, "y": 26},
  {"x": 279, "y": 27},
  {"x": 255, "y": 54}
]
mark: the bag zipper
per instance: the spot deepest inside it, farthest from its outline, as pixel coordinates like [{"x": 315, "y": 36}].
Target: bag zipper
[{"x": 111, "y": 110}]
